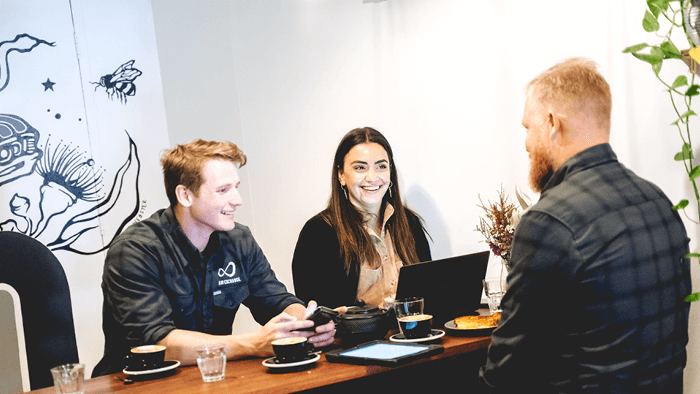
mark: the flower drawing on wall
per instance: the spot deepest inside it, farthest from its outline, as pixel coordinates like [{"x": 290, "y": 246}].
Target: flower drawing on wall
[
  {"x": 71, "y": 194},
  {"x": 120, "y": 83},
  {"x": 122, "y": 191},
  {"x": 68, "y": 177}
]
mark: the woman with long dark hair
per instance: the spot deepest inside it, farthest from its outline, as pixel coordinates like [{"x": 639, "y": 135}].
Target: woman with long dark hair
[{"x": 352, "y": 251}]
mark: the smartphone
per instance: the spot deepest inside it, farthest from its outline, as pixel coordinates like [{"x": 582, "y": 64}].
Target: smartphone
[{"x": 320, "y": 316}]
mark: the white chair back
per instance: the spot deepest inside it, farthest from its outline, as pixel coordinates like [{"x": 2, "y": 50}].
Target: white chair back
[{"x": 14, "y": 370}]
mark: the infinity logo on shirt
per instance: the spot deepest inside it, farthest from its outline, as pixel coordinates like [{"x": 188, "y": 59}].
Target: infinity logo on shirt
[
  {"x": 223, "y": 272},
  {"x": 231, "y": 267}
]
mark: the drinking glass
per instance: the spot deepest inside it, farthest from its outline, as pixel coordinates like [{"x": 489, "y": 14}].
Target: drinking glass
[
  {"x": 69, "y": 378},
  {"x": 418, "y": 325},
  {"x": 408, "y": 306},
  {"x": 211, "y": 360},
  {"x": 494, "y": 288}
]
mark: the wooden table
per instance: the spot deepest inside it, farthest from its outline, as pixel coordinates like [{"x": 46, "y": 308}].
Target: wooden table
[{"x": 462, "y": 357}]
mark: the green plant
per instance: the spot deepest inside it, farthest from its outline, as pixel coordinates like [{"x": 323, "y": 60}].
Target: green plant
[{"x": 681, "y": 91}]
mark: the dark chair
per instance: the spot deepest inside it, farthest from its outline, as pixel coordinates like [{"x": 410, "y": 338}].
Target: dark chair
[{"x": 38, "y": 278}]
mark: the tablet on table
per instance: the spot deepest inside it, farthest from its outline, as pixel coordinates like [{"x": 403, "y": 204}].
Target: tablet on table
[{"x": 382, "y": 352}]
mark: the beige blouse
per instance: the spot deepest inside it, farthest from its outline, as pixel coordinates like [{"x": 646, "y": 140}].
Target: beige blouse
[{"x": 377, "y": 284}]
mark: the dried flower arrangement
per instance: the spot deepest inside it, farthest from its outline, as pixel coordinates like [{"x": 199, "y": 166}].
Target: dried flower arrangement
[{"x": 498, "y": 227}]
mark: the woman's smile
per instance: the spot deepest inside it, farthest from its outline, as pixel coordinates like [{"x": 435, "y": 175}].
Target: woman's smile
[{"x": 365, "y": 175}]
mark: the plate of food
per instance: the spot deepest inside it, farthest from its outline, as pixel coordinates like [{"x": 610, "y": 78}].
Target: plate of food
[{"x": 474, "y": 324}]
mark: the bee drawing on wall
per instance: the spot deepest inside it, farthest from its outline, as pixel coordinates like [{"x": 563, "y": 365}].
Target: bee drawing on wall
[{"x": 120, "y": 82}]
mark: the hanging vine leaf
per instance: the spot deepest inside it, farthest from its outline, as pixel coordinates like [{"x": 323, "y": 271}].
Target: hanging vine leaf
[
  {"x": 655, "y": 60},
  {"x": 681, "y": 205},
  {"x": 685, "y": 154},
  {"x": 670, "y": 50},
  {"x": 651, "y": 59},
  {"x": 656, "y": 66},
  {"x": 635, "y": 48},
  {"x": 657, "y": 6},
  {"x": 650, "y": 24},
  {"x": 693, "y": 90},
  {"x": 692, "y": 297},
  {"x": 694, "y": 173},
  {"x": 684, "y": 118},
  {"x": 680, "y": 81}
]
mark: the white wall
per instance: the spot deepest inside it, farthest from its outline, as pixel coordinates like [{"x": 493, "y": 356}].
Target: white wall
[{"x": 442, "y": 79}]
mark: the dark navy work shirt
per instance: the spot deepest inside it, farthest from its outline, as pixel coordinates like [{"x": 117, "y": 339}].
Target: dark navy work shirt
[
  {"x": 155, "y": 281},
  {"x": 595, "y": 292}
]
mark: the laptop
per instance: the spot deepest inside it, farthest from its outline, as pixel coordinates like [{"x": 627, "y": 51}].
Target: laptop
[{"x": 451, "y": 287}]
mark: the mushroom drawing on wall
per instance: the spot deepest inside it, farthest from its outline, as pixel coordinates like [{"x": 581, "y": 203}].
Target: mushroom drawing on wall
[
  {"x": 66, "y": 177},
  {"x": 18, "y": 148}
]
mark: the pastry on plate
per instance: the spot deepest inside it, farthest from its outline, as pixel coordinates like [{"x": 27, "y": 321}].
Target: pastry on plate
[{"x": 476, "y": 322}]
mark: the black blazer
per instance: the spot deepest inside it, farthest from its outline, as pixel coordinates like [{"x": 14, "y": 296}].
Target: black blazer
[{"x": 318, "y": 271}]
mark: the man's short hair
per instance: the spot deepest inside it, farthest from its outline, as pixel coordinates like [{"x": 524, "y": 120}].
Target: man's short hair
[
  {"x": 183, "y": 164},
  {"x": 574, "y": 85}
]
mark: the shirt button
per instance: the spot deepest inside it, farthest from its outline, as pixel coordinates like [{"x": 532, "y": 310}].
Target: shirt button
[
  {"x": 230, "y": 304},
  {"x": 182, "y": 310}
]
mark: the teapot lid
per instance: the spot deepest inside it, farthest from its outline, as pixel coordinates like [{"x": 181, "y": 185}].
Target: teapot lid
[{"x": 360, "y": 312}]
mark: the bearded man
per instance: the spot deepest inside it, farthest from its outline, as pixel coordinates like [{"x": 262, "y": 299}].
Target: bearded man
[{"x": 595, "y": 300}]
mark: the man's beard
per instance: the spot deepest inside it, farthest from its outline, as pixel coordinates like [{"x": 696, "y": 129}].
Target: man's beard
[{"x": 541, "y": 170}]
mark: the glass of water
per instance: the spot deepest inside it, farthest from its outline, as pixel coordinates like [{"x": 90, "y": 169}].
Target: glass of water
[
  {"x": 69, "y": 378},
  {"x": 494, "y": 288},
  {"x": 211, "y": 360}
]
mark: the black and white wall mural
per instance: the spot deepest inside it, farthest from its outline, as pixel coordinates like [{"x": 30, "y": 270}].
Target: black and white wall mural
[
  {"x": 120, "y": 82},
  {"x": 61, "y": 178},
  {"x": 82, "y": 125}
]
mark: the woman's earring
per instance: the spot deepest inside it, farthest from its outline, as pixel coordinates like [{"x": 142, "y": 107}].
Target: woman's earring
[
  {"x": 345, "y": 191},
  {"x": 391, "y": 184}
]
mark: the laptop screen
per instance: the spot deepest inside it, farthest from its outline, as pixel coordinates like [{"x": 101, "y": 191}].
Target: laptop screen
[{"x": 451, "y": 287}]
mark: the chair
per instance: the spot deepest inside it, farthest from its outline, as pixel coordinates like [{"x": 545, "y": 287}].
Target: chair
[
  {"x": 14, "y": 373},
  {"x": 33, "y": 281}
]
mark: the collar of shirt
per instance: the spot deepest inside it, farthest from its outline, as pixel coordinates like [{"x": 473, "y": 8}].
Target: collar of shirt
[
  {"x": 388, "y": 213},
  {"x": 587, "y": 158},
  {"x": 195, "y": 258}
]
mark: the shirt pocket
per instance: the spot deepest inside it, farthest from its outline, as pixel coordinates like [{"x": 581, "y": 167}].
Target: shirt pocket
[
  {"x": 231, "y": 297},
  {"x": 184, "y": 308}
]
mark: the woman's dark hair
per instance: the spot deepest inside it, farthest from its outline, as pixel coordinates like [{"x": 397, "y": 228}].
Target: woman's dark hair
[{"x": 356, "y": 245}]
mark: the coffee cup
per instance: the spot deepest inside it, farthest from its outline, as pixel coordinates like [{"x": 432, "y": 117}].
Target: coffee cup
[
  {"x": 146, "y": 357},
  {"x": 289, "y": 350},
  {"x": 415, "y": 326}
]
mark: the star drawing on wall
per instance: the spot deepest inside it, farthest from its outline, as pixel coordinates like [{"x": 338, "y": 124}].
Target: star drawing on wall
[{"x": 48, "y": 84}]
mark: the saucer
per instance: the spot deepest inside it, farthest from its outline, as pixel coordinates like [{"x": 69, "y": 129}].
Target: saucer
[
  {"x": 166, "y": 366},
  {"x": 272, "y": 362},
  {"x": 434, "y": 334}
]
